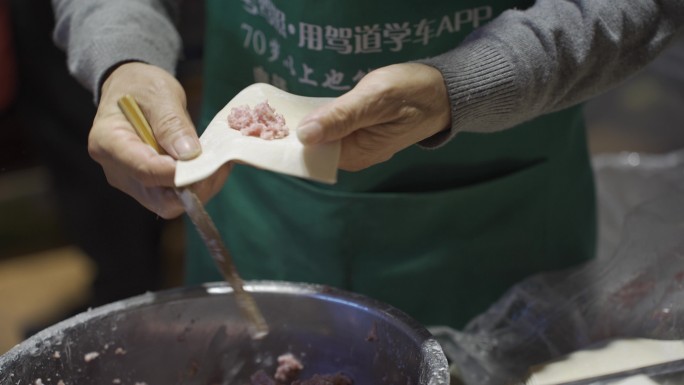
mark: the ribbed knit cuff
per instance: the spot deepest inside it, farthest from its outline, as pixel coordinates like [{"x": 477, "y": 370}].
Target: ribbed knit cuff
[
  {"x": 108, "y": 52},
  {"x": 104, "y": 34},
  {"x": 481, "y": 87}
]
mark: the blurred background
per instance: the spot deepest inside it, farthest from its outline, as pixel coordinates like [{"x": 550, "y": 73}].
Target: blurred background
[{"x": 68, "y": 241}]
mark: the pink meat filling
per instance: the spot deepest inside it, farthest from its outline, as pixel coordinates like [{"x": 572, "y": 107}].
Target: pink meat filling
[
  {"x": 261, "y": 121},
  {"x": 288, "y": 368},
  {"x": 287, "y": 373}
]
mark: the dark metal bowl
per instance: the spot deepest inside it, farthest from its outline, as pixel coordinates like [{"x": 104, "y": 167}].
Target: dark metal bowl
[{"x": 196, "y": 336}]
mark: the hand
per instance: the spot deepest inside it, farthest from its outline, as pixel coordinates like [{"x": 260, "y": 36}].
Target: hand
[
  {"x": 131, "y": 165},
  {"x": 390, "y": 109}
]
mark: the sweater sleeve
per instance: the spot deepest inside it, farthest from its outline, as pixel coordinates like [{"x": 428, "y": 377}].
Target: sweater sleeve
[
  {"x": 99, "y": 34},
  {"x": 557, "y": 53}
]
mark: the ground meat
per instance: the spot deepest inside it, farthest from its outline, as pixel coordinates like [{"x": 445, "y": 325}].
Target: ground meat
[
  {"x": 261, "y": 121},
  {"x": 288, "y": 368},
  {"x": 90, "y": 356}
]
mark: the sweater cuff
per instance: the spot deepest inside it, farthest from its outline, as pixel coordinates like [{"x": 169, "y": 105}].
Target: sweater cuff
[
  {"x": 107, "y": 53},
  {"x": 104, "y": 34},
  {"x": 481, "y": 87}
]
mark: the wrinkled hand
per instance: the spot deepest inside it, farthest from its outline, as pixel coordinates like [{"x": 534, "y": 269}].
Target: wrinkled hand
[
  {"x": 131, "y": 165},
  {"x": 390, "y": 109}
]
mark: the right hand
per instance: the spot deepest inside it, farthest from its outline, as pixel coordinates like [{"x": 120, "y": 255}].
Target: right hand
[{"x": 131, "y": 165}]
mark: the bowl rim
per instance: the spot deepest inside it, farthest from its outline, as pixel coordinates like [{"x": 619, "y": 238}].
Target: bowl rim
[{"x": 436, "y": 363}]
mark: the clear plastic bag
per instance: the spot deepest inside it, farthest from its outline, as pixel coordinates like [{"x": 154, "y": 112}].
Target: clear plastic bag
[{"x": 635, "y": 289}]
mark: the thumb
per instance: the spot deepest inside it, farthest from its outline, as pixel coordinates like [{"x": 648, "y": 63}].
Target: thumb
[
  {"x": 335, "y": 120},
  {"x": 173, "y": 127}
]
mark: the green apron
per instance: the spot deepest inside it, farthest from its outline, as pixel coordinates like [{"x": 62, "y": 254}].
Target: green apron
[{"x": 440, "y": 234}]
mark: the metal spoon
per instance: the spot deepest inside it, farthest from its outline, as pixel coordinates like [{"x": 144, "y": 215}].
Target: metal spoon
[{"x": 205, "y": 226}]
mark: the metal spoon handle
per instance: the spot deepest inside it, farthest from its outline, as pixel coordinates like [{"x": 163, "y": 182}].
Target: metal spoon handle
[
  {"x": 219, "y": 252},
  {"x": 258, "y": 328}
]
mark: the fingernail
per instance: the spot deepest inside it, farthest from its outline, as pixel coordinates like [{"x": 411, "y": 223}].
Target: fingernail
[
  {"x": 310, "y": 132},
  {"x": 186, "y": 148}
]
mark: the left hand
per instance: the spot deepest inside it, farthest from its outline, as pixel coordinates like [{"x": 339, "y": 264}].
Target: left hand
[{"x": 390, "y": 109}]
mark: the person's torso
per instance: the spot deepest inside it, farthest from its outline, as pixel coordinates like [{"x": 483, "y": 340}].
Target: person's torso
[{"x": 453, "y": 226}]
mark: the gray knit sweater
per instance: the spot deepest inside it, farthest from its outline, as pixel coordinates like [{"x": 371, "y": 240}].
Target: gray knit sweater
[{"x": 522, "y": 64}]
